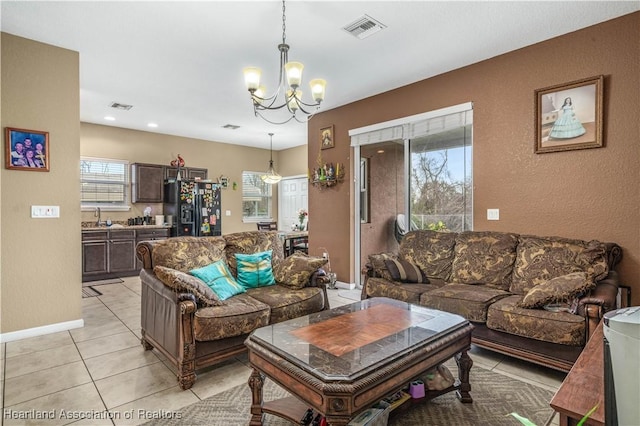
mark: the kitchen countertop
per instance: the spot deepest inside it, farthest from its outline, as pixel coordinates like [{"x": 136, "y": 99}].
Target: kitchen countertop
[{"x": 91, "y": 226}]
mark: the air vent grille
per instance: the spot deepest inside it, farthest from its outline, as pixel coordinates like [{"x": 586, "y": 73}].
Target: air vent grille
[
  {"x": 231, "y": 126},
  {"x": 118, "y": 105},
  {"x": 364, "y": 27}
]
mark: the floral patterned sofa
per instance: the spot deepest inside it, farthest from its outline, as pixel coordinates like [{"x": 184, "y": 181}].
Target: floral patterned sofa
[
  {"x": 195, "y": 326},
  {"x": 534, "y": 298}
]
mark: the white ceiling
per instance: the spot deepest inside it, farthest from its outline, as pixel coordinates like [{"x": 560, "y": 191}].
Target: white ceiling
[{"x": 180, "y": 63}]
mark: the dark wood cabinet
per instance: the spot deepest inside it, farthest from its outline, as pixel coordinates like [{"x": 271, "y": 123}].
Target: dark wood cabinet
[
  {"x": 108, "y": 254},
  {"x": 122, "y": 251},
  {"x": 147, "y": 183},
  {"x": 186, "y": 173}
]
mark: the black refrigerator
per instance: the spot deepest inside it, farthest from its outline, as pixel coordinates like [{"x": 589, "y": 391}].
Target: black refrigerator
[{"x": 194, "y": 207}]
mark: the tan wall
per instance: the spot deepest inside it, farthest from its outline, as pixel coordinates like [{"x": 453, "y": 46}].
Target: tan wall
[
  {"x": 41, "y": 258},
  {"x": 219, "y": 158},
  {"x": 586, "y": 194}
]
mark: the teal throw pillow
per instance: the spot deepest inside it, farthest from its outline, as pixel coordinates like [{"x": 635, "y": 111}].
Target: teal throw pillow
[
  {"x": 219, "y": 279},
  {"x": 254, "y": 270}
]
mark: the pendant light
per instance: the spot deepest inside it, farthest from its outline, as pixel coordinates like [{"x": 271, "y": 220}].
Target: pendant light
[{"x": 271, "y": 176}]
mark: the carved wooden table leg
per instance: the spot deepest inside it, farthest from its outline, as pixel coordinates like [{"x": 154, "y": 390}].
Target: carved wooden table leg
[
  {"x": 464, "y": 367},
  {"x": 256, "y": 382}
]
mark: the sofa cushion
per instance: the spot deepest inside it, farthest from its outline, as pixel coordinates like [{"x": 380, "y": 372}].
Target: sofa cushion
[
  {"x": 286, "y": 303},
  {"x": 432, "y": 251},
  {"x": 250, "y": 242},
  {"x": 239, "y": 315},
  {"x": 540, "y": 259},
  {"x": 470, "y": 301},
  {"x": 187, "y": 253},
  {"x": 183, "y": 282},
  {"x": 219, "y": 279},
  {"x": 254, "y": 270},
  {"x": 405, "y": 271},
  {"x": 484, "y": 258},
  {"x": 556, "y": 290},
  {"x": 410, "y": 293},
  {"x": 556, "y": 327},
  {"x": 295, "y": 271},
  {"x": 378, "y": 265}
]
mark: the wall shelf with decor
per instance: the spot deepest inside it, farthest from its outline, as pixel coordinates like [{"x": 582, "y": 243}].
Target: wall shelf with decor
[{"x": 327, "y": 175}]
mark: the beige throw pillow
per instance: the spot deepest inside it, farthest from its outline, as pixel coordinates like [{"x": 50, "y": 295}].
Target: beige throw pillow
[{"x": 559, "y": 289}]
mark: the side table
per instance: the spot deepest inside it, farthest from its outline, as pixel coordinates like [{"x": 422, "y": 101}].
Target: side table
[{"x": 583, "y": 387}]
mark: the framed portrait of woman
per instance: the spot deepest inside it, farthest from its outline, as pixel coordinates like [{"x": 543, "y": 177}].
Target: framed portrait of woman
[
  {"x": 569, "y": 116},
  {"x": 326, "y": 137},
  {"x": 26, "y": 150}
]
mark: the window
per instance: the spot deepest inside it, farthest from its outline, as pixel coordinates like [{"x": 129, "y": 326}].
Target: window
[
  {"x": 104, "y": 183},
  {"x": 256, "y": 198}
]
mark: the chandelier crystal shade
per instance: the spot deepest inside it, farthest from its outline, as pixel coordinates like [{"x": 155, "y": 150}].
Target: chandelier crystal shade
[
  {"x": 288, "y": 96},
  {"x": 271, "y": 176}
]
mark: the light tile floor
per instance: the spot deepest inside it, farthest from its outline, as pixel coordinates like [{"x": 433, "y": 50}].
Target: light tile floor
[{"x": 100, "y": 375}]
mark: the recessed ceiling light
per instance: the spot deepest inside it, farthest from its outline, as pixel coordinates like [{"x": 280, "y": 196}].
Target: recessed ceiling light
[
  {"x": 381, "y": 151},
  {"x": 109, "y": 118},
  {"x": 152, "y": 125}
]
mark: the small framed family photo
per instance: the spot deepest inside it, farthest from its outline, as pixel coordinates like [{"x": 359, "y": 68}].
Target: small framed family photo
[
  {"x": 326, "y": 137},
  {"x": 569, "y": 116},
  {"x": 26, "y": 150}
]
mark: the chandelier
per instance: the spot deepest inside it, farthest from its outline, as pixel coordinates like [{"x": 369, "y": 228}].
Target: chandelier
[
  {"x": 271, "y": 176},
  {"x": 288, "y": 94}
]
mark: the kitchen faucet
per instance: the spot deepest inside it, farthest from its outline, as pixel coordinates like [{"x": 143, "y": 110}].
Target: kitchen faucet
[{"x": 97, "y": 214}]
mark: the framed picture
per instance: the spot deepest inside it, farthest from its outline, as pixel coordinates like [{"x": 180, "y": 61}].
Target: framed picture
[
  {"x": 224, "y": 181},
  {"x": 326, "y": 137},
  {"x": 569, "y": 116},
  {"x": 26, "y": 150}
]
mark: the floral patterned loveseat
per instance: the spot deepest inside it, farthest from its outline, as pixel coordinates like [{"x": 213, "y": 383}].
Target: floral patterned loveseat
[
  {"x": 195, "y": 326},
  {"x": 534, "y": 298}
]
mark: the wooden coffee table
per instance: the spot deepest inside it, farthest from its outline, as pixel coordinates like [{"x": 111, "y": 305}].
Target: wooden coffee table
[{"x": 342, "y": 361}]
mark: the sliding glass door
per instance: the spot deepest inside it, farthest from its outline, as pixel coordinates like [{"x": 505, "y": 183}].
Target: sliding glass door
[
  {"x": 414, "y": 173},
  {"x": 441, "y": 181}
]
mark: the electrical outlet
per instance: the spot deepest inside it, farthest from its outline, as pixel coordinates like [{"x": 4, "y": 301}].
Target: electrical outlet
[{"x": 493, "y": 214}]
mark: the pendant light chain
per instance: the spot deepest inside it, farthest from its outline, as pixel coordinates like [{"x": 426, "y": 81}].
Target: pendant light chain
[{"x": 284, "y": 25}]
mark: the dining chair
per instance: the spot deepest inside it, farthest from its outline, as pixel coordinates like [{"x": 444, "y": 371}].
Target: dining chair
[{"x": 267, "y": 226}]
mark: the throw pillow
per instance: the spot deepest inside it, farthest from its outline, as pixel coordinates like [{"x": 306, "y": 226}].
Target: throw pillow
[
  {"x": 559, "y": 289},
  {"x": 219, "y": 279},
  {"x": 405, "y": 271},
  {"x": 254, "y": 270},
  {"x": 183, "y": 282},
  {"x": 296, "y": 270}
]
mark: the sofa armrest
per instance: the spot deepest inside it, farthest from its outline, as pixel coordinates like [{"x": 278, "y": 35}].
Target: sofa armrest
[
  {"x": 599, "y": 301},
  {"x": 144, "y": 250}
]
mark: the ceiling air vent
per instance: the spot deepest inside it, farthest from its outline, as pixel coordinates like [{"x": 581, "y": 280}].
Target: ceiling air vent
[
  {"x": 118, "y": 105},
  {"x": 364, "y": 27},
  {"x": 230, "y": 126}
]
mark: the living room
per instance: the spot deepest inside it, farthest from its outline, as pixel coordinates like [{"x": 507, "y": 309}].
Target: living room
[{"x": 587, "y": 196}]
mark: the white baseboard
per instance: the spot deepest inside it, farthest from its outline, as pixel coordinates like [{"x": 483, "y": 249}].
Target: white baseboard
[
  {"x": 40, "y": 331},
  {"x": 346, "y": 286}
]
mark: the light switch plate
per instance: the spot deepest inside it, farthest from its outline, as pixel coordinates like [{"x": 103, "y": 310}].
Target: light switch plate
[
  {"x": 227, "y": 213},
  {"x": 45, "y": 212},
  {"x": 493, "y": 214}
]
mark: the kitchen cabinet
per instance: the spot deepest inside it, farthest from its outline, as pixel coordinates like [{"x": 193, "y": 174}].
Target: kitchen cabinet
[
  {"x": 186, "y": 173},
  {"x": 122, "y": 251},
  {"x": 147, "y": 182},
  {"x": 108, "y": 254}
]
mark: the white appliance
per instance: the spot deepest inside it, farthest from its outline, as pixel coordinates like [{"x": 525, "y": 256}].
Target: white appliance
[{"x": 622, "y": 366}]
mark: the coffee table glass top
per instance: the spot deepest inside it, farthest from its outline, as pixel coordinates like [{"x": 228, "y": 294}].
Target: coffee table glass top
[{"x": 344, "y": 342}]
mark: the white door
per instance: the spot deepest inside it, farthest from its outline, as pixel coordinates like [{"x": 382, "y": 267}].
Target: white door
[{"x": 293, "y": 196}]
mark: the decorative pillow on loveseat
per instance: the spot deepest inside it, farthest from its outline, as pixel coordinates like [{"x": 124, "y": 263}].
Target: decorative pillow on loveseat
[
  {"x": 219, "y": 279},
  {"x": 254, "y": 270},
  {"x": 187, "y": 253},
  {"x": 376, "y": 261},
  {"x": 556, "y": 290},
  {"x": 183, "y": 282},
  {"x": 296, "y": 270},
  {"x": 405, "y": 271}
]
